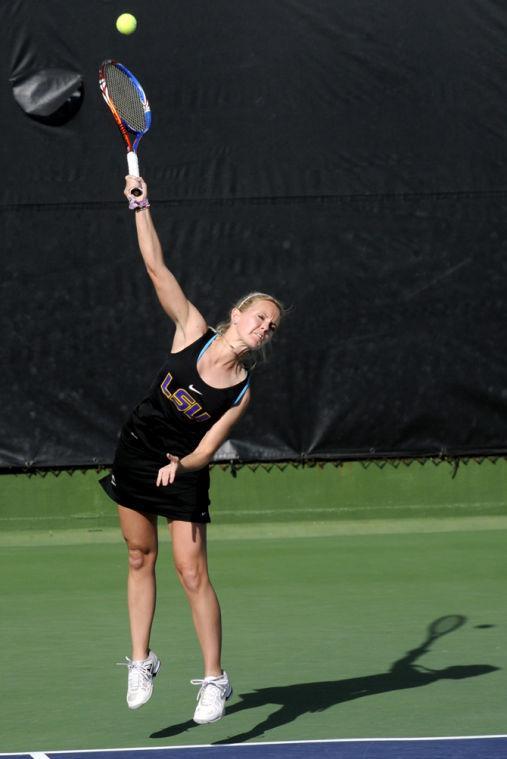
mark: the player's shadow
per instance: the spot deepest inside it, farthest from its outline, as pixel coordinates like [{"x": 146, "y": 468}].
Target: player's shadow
[{"x": 296, "y": 700}]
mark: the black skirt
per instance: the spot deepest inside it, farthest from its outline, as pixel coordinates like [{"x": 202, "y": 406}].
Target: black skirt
[{"x": 132, "y": 483}]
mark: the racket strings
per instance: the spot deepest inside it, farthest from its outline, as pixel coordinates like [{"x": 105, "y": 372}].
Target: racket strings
[{"x": 126, "y": 98}]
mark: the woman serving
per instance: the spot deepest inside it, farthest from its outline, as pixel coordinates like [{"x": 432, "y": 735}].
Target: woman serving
[{"x": 161, "y": 462}]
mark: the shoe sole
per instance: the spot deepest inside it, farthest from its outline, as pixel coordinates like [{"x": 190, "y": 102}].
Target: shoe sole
[
  {"x": 211, "y": 721},
  {"x": 153, "y": 674}
]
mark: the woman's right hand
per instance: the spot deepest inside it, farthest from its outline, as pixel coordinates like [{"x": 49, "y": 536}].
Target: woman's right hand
[
  {"x": 135, "y": 183},
  {"x": 167, "y": 474}
]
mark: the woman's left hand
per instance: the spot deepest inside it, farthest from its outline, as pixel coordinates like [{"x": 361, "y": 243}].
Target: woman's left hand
[
  {"x": 167, "y": 473},
  {"x": 135, "y": 183}
]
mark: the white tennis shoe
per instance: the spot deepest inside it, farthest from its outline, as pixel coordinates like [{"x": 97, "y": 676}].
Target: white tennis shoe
[
  {"x": 214, "y": 692},
  {"x": 140, "y": 681}
]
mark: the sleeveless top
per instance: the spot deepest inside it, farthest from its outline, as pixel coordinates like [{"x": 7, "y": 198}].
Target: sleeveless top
[{"x": 180, "y": 407}]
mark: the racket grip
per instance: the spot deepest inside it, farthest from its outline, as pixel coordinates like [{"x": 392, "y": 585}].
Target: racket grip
[{"x": 133, "y": 164}]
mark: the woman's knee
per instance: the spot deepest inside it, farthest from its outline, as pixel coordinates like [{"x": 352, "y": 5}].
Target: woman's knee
[
  {"x": 193, "y": 575},
  {"x": 140, "y": 535},
  {"x": 141, "y": 557}
]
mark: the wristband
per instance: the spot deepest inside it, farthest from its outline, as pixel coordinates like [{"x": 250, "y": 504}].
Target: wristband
[{"x": 134, "y": 204}]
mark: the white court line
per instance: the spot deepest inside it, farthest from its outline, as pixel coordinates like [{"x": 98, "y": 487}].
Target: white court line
[{"x": 44, "y": 755}]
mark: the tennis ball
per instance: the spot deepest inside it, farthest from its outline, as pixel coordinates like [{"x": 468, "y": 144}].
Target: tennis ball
[{"x": 126, "y": 23}]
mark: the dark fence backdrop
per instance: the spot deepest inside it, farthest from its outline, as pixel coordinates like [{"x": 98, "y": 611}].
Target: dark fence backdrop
[{"x": 347, "y": 155}]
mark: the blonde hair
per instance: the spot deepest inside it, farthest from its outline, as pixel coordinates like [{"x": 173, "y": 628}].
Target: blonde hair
[{"x": 242, "y": 304}]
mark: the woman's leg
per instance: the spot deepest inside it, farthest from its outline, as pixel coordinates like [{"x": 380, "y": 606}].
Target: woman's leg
[
  {"x": 191, "y": 562},
  {"x": 140, "y": 534}
]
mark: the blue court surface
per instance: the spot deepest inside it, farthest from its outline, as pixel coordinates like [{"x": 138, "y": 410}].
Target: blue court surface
[{"x": 480, "y": 747}]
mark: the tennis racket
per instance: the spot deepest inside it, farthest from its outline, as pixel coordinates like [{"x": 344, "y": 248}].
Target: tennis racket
[{"x": 129, "y": 106}]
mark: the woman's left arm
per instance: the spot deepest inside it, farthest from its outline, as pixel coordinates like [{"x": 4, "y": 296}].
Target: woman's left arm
[{"x": 210, "y": 443}]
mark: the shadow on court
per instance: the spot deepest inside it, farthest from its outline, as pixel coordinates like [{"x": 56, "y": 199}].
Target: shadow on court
[{"x": 299, "y": 699}]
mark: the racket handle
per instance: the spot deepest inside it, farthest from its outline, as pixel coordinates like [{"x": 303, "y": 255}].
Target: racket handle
[{"x": 134, "y": 170}]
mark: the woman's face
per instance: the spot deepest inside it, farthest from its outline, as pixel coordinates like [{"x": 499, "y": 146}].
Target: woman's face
[{"x": 256, "y": 324}]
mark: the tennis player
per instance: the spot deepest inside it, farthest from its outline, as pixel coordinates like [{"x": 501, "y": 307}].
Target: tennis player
[{"x": 161, "y": 462}]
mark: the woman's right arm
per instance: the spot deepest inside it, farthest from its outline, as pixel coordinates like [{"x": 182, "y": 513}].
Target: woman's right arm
[{"x": 189, "y": 322}]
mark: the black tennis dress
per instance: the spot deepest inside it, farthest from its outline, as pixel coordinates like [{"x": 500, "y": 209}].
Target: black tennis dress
[{"x": 176, "y": 414}]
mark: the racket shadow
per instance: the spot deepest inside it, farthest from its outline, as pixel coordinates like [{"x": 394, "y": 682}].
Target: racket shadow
[{"x": 303, "y": 698}]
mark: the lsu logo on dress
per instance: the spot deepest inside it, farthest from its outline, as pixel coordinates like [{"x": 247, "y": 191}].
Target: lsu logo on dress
[{"x": 184, "y": 402}]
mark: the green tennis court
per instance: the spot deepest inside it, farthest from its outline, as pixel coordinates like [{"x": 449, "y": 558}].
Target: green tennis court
[{"x": 328, "y": 579}]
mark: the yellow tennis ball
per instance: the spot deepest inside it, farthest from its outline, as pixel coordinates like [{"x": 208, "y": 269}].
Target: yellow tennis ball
[{"x": 126, "y": 23}]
